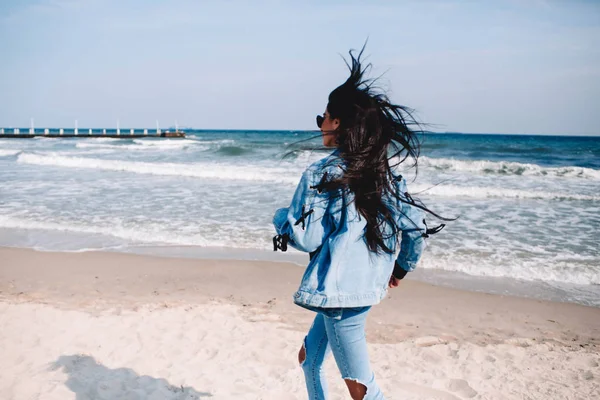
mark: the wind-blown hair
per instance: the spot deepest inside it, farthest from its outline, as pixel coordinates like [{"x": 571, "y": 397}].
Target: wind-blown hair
[{"x": 373, "y": 138}]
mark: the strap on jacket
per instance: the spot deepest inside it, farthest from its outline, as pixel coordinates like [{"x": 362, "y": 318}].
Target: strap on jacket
[
  {"x": 432, "y": 231},
  {"x": 280, "y": 242},
  {"x": 302, "y": 218}
]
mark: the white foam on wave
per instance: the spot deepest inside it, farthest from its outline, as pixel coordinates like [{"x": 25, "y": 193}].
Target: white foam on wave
[
  {"x": 213, "y": 142},
  {"x": 8, "y": 153},
  {"x": 508, "y": 168},
  {"x": 560, "y": 269},
  {"x": 482, "y": 192},
  {"x": 149, "y": 233},
  {"x": 197, "y": 170},
  {"x": 278, "y": 174},
  {"x": 102, "y": 145},
  {"x": 144, "y": 145},
  {"x": 102, "y": 140},
  {"x": 165, "y": 143},
  {"x": 563, "y": 268},
  {"x": 85, "y": 145}
]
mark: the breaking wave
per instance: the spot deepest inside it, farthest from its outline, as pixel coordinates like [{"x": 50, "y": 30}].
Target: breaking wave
[
  {"x": 8, "y": 153},
  {"x": 196, "y": 170},
  {"x": 483, "y": 192},
  {"x": 508, "y": 168}
]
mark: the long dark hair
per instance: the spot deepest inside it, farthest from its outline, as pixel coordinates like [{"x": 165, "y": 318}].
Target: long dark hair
[{"x": 373, "y": 138}]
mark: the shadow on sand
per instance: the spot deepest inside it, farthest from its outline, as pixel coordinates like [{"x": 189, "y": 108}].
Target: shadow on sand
[{"x": 92, "y": 381}]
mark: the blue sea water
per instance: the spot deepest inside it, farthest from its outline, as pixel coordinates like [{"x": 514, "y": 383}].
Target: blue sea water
[{"x": 528, "y": 206}]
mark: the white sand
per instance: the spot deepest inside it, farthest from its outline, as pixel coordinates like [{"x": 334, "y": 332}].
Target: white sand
[{"x": 83, "y": 346}]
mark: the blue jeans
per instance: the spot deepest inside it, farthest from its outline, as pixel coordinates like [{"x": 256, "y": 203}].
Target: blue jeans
[{"x": 340, "y": 331}]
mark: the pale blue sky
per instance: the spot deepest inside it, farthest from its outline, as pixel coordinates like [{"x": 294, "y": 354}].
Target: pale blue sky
[{"x": 519, "y": 66}]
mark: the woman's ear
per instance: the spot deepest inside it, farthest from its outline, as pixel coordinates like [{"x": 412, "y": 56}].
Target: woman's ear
[{"x": 335, "y": 123}]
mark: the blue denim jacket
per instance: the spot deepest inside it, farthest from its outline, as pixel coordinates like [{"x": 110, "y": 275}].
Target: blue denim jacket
[{"x": 342, "y": 271}]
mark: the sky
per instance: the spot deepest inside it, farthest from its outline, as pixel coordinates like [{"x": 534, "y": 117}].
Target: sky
[{"x": 507, "y": 66}]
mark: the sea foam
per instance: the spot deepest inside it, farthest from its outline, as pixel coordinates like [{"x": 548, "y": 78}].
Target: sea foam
[
  {"x": 196, "y": 170},
  {"x": 8, "y": 153},
  {"x": 508, "y": 168}
]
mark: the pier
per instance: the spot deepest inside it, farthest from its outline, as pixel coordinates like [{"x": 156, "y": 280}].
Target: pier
[
  {"x": 118, "y": 133},
  {"x": 18, "y": 133}
]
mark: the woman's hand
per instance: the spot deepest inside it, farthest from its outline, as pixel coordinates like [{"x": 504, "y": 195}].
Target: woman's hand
[{"x": 394, "y": 282}]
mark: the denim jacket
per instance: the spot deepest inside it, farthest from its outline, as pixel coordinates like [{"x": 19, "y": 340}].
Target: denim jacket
[{"x": 342, "y": 271}]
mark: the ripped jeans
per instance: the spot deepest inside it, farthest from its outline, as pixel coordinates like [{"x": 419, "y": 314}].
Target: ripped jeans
[{"x": 340, "y": 331}]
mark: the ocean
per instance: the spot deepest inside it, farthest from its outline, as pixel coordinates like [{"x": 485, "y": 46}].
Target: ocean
[{"x": 528, "y": 207}]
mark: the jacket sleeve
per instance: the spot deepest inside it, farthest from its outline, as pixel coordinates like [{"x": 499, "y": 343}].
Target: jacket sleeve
[
  {"x": 413, "y": 228},
  {"x": 304, "y": 221}
]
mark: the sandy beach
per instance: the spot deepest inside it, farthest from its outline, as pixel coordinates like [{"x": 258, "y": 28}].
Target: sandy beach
[{"x": 118, "y": 326}]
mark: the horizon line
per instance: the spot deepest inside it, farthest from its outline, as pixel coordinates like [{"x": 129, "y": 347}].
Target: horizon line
[{"x": 25, "y": 129}]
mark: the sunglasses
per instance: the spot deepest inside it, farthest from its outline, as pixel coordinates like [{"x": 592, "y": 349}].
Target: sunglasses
[{"x": 320, "y": 120}]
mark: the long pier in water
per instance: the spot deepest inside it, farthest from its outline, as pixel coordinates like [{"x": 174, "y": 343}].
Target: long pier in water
[{"x": 18, "y": 133}]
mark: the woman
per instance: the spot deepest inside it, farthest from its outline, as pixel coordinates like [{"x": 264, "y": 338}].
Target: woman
[{"x": 352, "y": 213}]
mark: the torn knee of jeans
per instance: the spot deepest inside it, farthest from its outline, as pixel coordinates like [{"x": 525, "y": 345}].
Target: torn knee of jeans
[
  {"x": 302, "y": 354},
  {"x": 359, "y": 390}
]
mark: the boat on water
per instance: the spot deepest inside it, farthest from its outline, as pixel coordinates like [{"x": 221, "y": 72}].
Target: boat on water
[
  {"x": 172, "y": 133},
  {"x": 176, "y": 133}
]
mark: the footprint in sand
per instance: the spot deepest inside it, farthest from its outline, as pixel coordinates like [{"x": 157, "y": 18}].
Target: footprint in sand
[
  {"x": 428, "y": 341},
  {"x": 587, "y": 375},
  {"x": 461, "y": 387}
]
